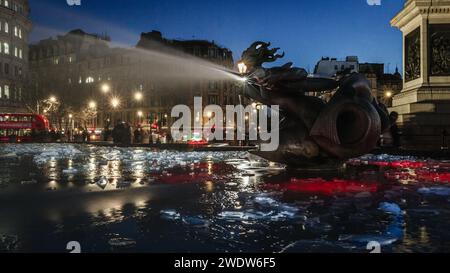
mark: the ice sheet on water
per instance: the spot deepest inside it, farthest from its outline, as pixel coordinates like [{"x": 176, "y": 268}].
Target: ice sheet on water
[
  {"x": 267, "y": 208},
  {"x": 170, "y": 215},
  {"x": 195, "y": 221},
  {"x": 8, "y": 242},
  {"x": 192, "y": 221},
  {"x": 391, "y": 208},
  {"x": 70, "y": 171},
  {"x": 102, "y": 182},
  {"x": 122, "y": 242},
  {"x": 439, "y": 191},
  {"x": 42, "y": 152},
  {"x": 392, "y": 233},
  {"x": 316, "y": 246},
  {"x": 11, "y": 155}
]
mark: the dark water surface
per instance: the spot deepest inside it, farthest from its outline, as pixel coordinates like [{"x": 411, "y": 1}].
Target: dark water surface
[{"x": 144, "y": 200}]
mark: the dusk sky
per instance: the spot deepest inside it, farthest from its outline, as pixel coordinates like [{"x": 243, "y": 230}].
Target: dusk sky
[{"x": 305, "y": 30}]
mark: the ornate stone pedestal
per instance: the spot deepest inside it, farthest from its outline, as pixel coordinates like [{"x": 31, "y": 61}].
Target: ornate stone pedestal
[{"x": 424, "y": 103}]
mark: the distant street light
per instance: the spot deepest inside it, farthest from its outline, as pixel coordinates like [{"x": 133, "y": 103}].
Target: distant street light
[
  {"x": 92, "y": 104},
  {"x": 388, "y": 94},
  {"x": 140, "y": 114},
  {"x": 105, "y": 88},
  {"x": 115, "y": 102},
  {"x": 138, "y": 96},
  {"x": 53, "y": 99},
  {"x": 242, "y": 68},
  {"x": 70, "y": 116}
]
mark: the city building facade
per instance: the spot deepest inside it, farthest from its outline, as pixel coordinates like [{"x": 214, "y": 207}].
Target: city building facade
[
  {"x": 383, "y": 85},
  {"x": 128, "y": 84},
  {"x": 15, "y": 26}
]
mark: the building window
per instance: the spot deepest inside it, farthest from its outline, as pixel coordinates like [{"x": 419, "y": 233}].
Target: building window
[
  {"x": 6, "y": 3},
  {"x": 16, "y": 52},
  {"x": 90, "y": 80},
  {"x": 6, "y": 27},
  {"x": 6, "y": 92},
  {"x": 20, "y": 53},
  {"x": 6, "y": 48},
  {"x": 6, "y": 68}
]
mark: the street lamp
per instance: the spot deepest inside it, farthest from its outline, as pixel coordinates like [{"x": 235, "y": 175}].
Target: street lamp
[
  {"x": 388, "y": 94},
  {"x": 242, "y": 68},
  {"x": 115, "y": 102},
  {"x": 70, "y": 116},
  {"x": 92, "y": 105},
  {"x": 138, "y": 96},
  {"x": 53, "y": 99},
  {"x": 105, "y": 88},
  {"x": 140, "y": 114}
]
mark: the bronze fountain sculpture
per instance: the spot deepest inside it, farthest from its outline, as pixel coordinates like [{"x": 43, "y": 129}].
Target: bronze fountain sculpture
[{"x": 314, "y": 132}]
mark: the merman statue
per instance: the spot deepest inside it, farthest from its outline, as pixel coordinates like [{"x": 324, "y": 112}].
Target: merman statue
[{"x": 314, "y": 131}]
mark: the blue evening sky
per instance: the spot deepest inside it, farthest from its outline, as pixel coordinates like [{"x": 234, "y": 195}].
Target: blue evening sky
[{"x": 306, "y": 30}]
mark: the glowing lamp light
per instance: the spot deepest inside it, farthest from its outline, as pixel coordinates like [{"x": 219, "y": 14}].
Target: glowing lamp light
[
  {"x": 388, "y": 94},
  {"x": 105, "y": 88},
  {"x": 140, "y": 114},
  {"x": 92, "y": 105},
  {"x": 242, "y": 67},
  {"x": 53, "y": 99},
  {"x": 70, "y": 116},
  {"x": 115, "y": 102},
  {"x": 138, "y": 96}
]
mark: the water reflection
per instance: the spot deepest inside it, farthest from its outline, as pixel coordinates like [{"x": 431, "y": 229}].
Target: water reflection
[{"x": 216, "y": 201}]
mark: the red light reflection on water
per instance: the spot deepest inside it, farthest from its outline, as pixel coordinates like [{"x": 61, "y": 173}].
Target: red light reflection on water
[
  {"x": 408, "y": 164},
  {"x": 324, "y": 187},
  {"x": 419, "y": 175},
  {"x": 410, "y": 170}
]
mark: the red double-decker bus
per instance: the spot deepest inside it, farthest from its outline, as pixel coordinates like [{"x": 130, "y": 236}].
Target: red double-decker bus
[{"x": 23, "y": 127}]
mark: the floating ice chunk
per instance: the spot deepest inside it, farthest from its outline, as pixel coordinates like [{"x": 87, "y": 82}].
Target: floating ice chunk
[
  {"x": 170, "y": 215},
  {"x": 195, "y": 222},
  {"x": 102, "y": 182},
  {"x": 365, "y": 239},
  {"x": 391, "y": 208},
  {"x": 70, "y": 171},
  {"x": 265, "y": 201},
  {"x": 122, "y": 242},
  {"x": 440, "y": 191},
  {"x": 314, "y": 246},
  {"x": 238, "y": 215},
  {"x": 8, "y": 156},
  {"x": 28, "y": 182},
  {"x": 8, "y": 242}
]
